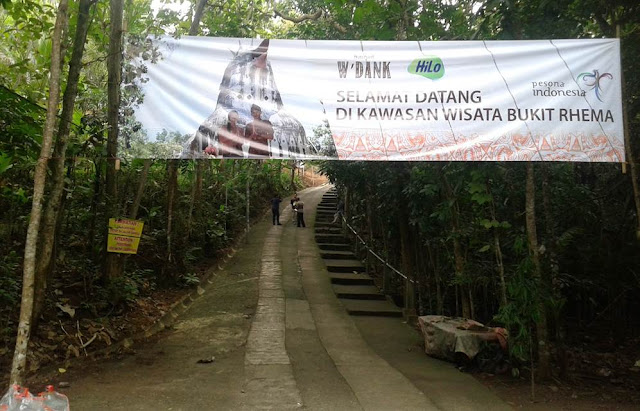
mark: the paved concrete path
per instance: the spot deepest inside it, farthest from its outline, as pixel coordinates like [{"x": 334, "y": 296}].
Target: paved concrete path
[{"x": 281, "y": 340}]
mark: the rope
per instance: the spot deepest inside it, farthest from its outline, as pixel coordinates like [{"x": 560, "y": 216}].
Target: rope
[{"x": 369, "y": 250}]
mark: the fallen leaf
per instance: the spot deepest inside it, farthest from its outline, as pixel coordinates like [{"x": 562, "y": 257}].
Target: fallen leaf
[{"x": 62, "y": 370}]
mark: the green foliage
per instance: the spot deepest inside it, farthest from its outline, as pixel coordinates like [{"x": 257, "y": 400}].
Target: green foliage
[
  {"x": 126, "y": 289},
  {"x": 189, "y": 280},
  {"x": 522, "y": 311},
  {"x": 9, "y": 280}
]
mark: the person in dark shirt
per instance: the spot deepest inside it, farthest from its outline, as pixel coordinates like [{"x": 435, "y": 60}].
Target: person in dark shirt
[
  {"x": 275, "y": 209},
  {"x": 300, "y": 212}
]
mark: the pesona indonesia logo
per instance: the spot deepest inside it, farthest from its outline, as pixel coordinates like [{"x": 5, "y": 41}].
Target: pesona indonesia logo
[
  {"x": 594, "y": 81},
  {"x": 552, "y": 88},
  {"x": 430, "y": 67}
]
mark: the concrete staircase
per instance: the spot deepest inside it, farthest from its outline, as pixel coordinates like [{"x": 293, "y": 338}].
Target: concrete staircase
[{"x": 353, "y": 286}]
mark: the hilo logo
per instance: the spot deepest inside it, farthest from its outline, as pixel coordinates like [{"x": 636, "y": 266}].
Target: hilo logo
[
  {"x": 592, "y": 81},
  {"x": 430, "y": 67}
]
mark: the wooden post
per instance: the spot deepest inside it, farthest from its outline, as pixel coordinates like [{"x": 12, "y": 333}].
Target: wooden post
[{"x": 409, "y": 311}]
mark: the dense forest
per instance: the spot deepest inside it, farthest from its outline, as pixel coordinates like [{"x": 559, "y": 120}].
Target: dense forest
[{"x": 550, "y": 251}]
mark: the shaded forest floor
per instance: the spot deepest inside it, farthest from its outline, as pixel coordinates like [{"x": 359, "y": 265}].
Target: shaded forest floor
[{"x": 601, "y": 375}]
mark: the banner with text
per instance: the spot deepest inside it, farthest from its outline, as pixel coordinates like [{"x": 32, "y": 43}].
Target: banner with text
[{"x": 205, "y": 97}]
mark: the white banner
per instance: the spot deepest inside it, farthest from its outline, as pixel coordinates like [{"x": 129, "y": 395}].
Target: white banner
[{"x": 546, "y": 100}]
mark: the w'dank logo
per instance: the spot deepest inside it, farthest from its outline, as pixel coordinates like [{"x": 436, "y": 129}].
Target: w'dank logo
[
  {"x": 593, "y": 81},
  {"x": 430, "y": 67}
]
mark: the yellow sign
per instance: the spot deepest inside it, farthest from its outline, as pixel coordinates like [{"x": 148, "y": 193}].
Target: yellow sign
[
  {"x": 124, "y": 236},
  {"x": 122, "y": 244},
  {"x": 132, "y": 228}
]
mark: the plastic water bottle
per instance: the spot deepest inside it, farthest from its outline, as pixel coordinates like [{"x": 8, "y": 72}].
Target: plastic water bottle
[
  {"x": 54, "y": 401},
  {"x": 11, "y": 399},
  {"x": 30, "y": 403}
]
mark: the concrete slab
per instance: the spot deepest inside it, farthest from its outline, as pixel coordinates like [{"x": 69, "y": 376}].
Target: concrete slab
[
  {"x": 361, "y": 292},
  {"x": 381, "y": 308}
]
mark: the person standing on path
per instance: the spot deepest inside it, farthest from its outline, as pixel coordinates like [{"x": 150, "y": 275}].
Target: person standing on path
[
  {"x": 339, "y": 212},
  {"x": 300, "y": 212},
  {"x": 275, "y": 209},
  {"x": 294, "y": 200}
]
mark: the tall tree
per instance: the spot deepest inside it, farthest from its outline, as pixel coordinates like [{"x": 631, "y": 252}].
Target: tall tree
[
  {"x": 53, "y": 209},
  {"x": 39, "y": 180},
  {"x": 113, "y": 266}
]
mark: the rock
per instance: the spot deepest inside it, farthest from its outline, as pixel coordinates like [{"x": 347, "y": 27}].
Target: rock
[{"x": 553, "y": 388}]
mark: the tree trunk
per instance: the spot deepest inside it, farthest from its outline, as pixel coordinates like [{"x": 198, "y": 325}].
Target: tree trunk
[
  {"x": 407, "y": 259},
  {"x": 498, "y": 251},
  {"x": 172, "y": 188},
  {"x": 195, "y": 22},
  {"x": 113, "y": 266},
  {"x": 293, "y": 176},
  {"x": 39, "y": 180},
  {"x": 437, "y": 281},
  {"x": 133, "y": 212},
  {"x": 97, "y": 188},
  {"x": 192, "y": 198},
  {"x": 457, "y": 250},
  {"x": 544, "y": 365},
  {"x": 248, "y": 201},
  {"x": 197, "y": 186},
  {"x": 53, "y": 209}
]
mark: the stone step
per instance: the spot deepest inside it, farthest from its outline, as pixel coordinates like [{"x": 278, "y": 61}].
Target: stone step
[
  {"x": 325, "y": 219},
  {"x": 377, "y": 308},
  {"x": 337, "y": 255},
  {"x": 350, "y": 279},
  {"x": 334, "y": 246},
  {"x": 326, "y": 224},
  {"x": 332, "y": 229},
  {"x": 358, "y": 292},
  {"x": 344, "y": 266},
  {"x": 331, "y": 238}
]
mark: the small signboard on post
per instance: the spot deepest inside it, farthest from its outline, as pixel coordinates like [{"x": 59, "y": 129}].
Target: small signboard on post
[{"x": 124, "y": 236}]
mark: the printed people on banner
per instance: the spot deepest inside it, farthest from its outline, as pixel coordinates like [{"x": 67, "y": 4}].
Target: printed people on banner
[
  {"x": 261, "y": 130},
  {"x": 259, "y": 133},
  {"x": 230, "y": 138}
]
